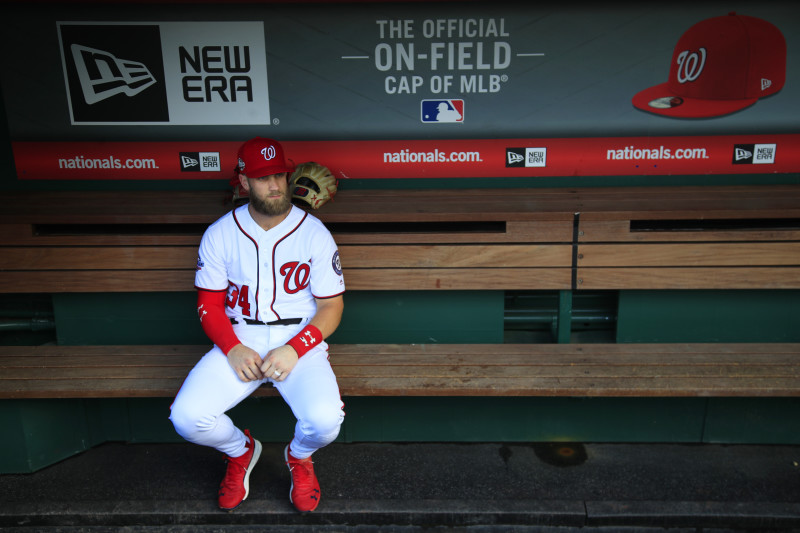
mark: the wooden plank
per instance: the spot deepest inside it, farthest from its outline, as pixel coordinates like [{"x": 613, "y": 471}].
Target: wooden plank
[
  {"x": 111, "y": 207},
  {"x": 689, "y": 278},
  {"x": 522, "y": 231},
  {"x": 363, "y": 256},
  {"x": 453, "y": 257},
  {"x": 689, "y": 202},
  {"x": 457, "y": 279},
  {"x": 356, "y": 279},
  {"x": 690, "y": 254},
  {"x": 585, "y": 387},
  {"x": 166, "y": 239},
  {"x": 438, "y": 368},
  {"x": 91, "y": 388},
  {"x": 558, "y": 351},
  {"x": 688, "y": 369},
  {"x": 99, "y": 258},
  {"x": 96, "y": 372},
  {"x": 377, "y": 353},
  {"x": 488, "y": 357},
  {"x": 619, "y": 231},
  {"x": 97, "y": 281},
  {"x": 114, "y": 207},
  {"x": 165, "y": 351}
]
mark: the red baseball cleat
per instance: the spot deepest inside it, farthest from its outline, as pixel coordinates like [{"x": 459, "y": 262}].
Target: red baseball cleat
[
  {"x": 235, "y": 485},
  {"x": 304, "y": 493}
]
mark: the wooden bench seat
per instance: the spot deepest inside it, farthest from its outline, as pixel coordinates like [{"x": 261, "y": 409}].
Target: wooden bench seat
[{"x": 601, "y": 370}]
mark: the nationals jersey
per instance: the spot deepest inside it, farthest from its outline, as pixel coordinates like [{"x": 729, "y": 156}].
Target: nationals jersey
[{"x": 269, "y": 275}]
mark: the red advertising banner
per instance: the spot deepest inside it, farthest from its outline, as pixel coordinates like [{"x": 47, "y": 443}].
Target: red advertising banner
[{"x": 463, "y": 158}]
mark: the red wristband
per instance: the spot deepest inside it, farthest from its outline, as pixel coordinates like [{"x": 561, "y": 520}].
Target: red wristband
[{"x": 308, "y": 337}]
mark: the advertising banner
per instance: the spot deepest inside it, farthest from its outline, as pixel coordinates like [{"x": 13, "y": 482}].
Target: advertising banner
[
  {"x": 404, "y": 90},
  {"x": 485, "y": 158}
]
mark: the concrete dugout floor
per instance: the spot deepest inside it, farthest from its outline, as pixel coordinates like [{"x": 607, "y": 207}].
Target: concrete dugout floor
[{"x": 483, "y": 487}]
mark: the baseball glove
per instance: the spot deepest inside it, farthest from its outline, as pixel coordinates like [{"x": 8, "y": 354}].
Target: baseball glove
[{"x": 313, "y": 184}]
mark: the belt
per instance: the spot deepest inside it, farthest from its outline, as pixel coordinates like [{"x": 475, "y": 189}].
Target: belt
[{"x": 280, "y": 322}]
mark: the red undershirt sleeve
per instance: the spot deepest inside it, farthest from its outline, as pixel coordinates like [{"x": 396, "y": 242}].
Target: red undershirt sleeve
[{"x": 216, "y": 324}]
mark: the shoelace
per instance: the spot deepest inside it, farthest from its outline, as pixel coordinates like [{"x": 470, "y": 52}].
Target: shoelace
[
  {"x": 302, "y": 479},
  {"x": 232, "y": 478}
]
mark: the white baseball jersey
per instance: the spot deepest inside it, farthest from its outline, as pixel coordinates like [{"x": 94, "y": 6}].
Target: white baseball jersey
[{"x": 269, "y": 275}]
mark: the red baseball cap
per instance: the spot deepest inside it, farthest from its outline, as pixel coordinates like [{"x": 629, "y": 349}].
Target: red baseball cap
[
  {"x": 261, "y": 157},
  {"x": 720, "y": 65}
]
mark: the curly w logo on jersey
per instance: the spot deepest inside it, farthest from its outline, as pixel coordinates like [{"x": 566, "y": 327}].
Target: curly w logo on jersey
[
  {"x": 296, "y": 276},
  {"x": 720, "y": 65}
]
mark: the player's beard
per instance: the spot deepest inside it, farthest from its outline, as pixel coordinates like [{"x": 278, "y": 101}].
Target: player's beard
[{"x": 271, "y": 206}]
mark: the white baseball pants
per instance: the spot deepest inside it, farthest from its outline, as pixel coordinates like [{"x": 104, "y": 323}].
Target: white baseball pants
[{"x": 212, "y": 388}]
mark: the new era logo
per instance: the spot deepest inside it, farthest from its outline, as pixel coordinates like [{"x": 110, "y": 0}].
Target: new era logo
[
  {"x": 102, "y": 75},
  {"x": 514, "y": 158},
  {"x": 176, "y": 73},
  {"x": 740, "y": 154},
  {"x": 200, "y": 162},
  {"x": 765, "y": 84},
  {"x": 114, "y": 73},
  {"x": 754, "y": 154},
  {"x": 526, "y": 157}
]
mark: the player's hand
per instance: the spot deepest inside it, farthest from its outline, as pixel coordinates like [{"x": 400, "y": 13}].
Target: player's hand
[
  {"x": 281, "y": 360},
  {"x": 246, "y": 362}
]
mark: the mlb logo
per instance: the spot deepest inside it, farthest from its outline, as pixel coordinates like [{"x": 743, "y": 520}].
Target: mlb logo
[{"x": 442, "y": 111}]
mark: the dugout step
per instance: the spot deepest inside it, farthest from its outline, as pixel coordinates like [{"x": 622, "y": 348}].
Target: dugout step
[{"x": 490, "y": 486}]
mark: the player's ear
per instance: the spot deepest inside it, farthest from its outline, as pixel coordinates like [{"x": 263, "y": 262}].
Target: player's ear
[{"x": 245, "y": 182}]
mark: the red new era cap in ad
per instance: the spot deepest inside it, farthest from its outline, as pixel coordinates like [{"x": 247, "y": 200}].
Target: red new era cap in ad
[
  {"x": 720, "y": 65},
  {"x": 260, "y": 157}
]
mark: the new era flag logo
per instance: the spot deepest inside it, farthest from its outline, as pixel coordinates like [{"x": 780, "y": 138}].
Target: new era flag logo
[
  {"x": 102, "y": 75},
  {"x": 114, "y": 73}
]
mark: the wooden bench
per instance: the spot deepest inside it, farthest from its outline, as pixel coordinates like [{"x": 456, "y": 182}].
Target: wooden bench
[
  {"x": 598, "y": 370},
  {"x": 525, "y": 239}
]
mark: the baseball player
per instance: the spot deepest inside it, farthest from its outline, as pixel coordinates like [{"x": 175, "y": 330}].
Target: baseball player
[{"x": 270, "y": 291}]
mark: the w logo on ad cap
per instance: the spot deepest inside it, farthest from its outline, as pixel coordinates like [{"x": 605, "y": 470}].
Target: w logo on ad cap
[{"x": 690, "y": 65}]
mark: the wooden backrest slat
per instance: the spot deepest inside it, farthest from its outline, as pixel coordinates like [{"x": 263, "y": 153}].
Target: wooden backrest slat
[
  {"x": 620, "y": 231},
  {"x": 689, "y": 278},
  {"x": 690, "y": 254},
  {"x": 452, "y": 256}
]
